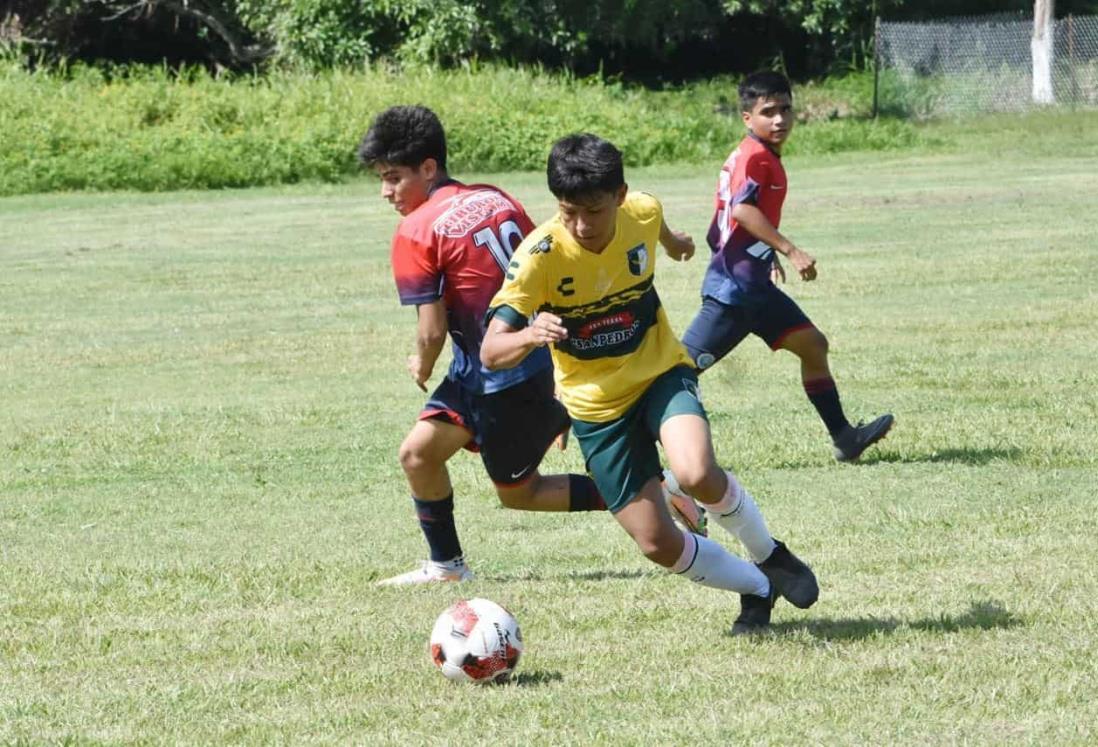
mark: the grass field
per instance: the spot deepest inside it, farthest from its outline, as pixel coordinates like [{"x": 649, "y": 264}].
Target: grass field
[{"x": 201, "y": 397}]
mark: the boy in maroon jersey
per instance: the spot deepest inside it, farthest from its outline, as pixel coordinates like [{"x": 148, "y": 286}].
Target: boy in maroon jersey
[
  {"x": 449, "y": 256},
  {"x": 739, "y": 296}
]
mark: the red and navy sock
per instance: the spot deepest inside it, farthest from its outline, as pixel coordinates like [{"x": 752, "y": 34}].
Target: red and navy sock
[
  {"x": 436, "y": 519},
  {"x": 583, "y": 495},
  {"x": 825, "y": 398}
]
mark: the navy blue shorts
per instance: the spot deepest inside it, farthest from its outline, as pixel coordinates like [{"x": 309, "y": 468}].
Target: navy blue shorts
[
  {"x": 512, "y": 429},
  {"x": 719, "y": 327}
]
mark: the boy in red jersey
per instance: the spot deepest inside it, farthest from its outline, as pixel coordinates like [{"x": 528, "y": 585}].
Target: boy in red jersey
[
  {"x": 739, "y": 296},
  {"x": 449, "y": 256}
]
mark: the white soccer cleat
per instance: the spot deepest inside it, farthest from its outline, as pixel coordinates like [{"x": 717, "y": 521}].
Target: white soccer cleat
[
  {"x": 431, "y": 572},
  {"x": 682, "y": 506}
]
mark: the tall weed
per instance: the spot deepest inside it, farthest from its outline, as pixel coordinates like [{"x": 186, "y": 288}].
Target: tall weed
[{"x": 150, "y": 129}]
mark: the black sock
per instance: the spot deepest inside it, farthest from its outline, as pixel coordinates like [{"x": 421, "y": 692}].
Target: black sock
[
  {"x": 436, "y": 519},
  {"x": 825, "y": 398},
  {"x": 583, "y": 495}
]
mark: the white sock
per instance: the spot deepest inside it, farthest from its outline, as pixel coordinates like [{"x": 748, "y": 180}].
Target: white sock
[
  {"x": 737, "y": 514},
  {"x": 706, "y": 562}
]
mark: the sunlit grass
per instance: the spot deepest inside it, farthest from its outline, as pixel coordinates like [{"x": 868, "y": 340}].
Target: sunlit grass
[{"x": 201, "y": 397}]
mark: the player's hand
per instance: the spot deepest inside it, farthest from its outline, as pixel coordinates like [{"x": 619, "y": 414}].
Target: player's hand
[
  {"x": 804, "y": 263},
  {"x": 546, "y": 328},
  {"x": 777, "y": 272},
  {"x": 415, "y": 368},
  {"x": 681, "y": 247}
]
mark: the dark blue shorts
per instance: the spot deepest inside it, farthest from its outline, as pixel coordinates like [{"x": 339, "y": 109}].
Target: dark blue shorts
[
  {"x": 718, "y": 327},
  {"x": 512, "y": 429}
]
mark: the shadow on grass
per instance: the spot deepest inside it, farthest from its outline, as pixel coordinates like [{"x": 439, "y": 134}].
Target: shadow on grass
[
  {"x": 976, "y": 457},
  {"x": 972, "y": 457},
  {"x": 535, "y": 678},
  {"x": 987, "y": 615},
  {"x": 574, "y": 576}
]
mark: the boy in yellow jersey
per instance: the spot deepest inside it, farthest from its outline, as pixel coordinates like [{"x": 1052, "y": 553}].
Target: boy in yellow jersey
[{"x": 582, "y": 284}]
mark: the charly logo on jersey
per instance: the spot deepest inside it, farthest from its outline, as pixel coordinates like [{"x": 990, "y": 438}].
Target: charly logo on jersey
[
  {"x": 469, "y": 210},
  {"x": 638, "y": 259}
]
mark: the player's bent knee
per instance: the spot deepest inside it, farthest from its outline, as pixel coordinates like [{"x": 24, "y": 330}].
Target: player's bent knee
[
  {"x": 693, "y": 477},
  {"x": 414, "y": 458},
  {"x": 659, "y": 549}
]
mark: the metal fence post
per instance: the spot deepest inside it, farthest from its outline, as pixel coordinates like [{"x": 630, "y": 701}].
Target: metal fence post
[
  {"x": 1071, "y": 59},
  {"x": 876, "y": 63}
]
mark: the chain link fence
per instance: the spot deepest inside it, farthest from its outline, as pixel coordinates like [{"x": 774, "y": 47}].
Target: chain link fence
[{"x": 981, "y": 64}]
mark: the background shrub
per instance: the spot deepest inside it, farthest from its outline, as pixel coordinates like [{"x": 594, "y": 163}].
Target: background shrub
[{"x": 144, "y": 128}]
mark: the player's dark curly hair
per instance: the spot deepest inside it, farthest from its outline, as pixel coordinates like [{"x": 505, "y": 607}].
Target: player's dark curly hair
[
  {"x": 584, "y": 166},
  {"x": 762, "y": 85},
  {"x": 404, "y": 136}
]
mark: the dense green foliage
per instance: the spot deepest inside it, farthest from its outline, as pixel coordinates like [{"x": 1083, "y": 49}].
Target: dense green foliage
[
  {"x": 148, "y": 130},
  {"x": 641, "y": 39}
]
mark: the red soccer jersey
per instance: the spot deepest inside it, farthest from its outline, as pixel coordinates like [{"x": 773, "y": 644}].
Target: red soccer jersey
[
  {"x": 741, "y": 263},
  {"x": 456, "y": 246}
]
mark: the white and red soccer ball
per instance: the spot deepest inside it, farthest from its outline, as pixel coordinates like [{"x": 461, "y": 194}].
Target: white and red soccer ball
[{"x": 476, "y": 640}]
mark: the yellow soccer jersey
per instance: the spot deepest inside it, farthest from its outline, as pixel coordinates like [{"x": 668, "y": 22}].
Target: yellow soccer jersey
[{"x": 619, "y": 339}]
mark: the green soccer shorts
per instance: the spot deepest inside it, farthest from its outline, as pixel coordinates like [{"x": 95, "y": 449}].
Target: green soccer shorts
[{"x": 621, "y": 454}]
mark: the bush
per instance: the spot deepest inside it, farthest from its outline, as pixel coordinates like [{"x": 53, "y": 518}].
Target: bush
[{"x": 146, "y": 129}]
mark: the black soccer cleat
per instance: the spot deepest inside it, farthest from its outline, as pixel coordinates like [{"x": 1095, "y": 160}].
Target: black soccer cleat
[
  {"x": 855, "y": 439},
  {"x": 791, "y": 577},
  {"x": 754, "y": 613}
]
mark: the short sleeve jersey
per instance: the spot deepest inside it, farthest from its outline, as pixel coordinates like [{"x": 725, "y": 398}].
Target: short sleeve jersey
[
  {"x": 740, "y": 266},
  {"x": 619, "y": 339},
  {"x": 455, "y": 247}
]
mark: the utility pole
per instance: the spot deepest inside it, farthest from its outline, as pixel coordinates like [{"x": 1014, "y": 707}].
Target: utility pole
[{"x": 1041, "y": 49}]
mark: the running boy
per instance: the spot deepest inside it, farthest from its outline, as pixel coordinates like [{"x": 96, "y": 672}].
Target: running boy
[
  {"x": 448, "y": 256},
  {"x": 582, "y": 283},
  {"x": 738, "y": 293}
]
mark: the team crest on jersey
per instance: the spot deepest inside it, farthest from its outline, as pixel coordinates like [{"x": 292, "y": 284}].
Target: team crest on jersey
[
  {"x": 469, "y": 210},
  {"x": 638, "y": 259},
  {"x": 543, "y": 246}
]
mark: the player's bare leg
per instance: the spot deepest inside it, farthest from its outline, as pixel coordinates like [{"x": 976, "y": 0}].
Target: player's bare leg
[
  {"x": 688, "y": 444},
  {"x": 423, "y": 455},
  {"x": 539, "y": 493},
  {"x": 700, "y": 559},
  {"x": 647, "y": 521},
  {"x": 689, "y": 448},
  {"x": 850, "y": 441}
]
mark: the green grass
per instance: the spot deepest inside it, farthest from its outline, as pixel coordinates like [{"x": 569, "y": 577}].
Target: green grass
[
  {"x": 201, "y": 397},
  {"x": 141, "y": 128}
]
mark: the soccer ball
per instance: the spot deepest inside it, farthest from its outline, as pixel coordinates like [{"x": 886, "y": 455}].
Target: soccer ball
[{"x": 476, "y": 640}]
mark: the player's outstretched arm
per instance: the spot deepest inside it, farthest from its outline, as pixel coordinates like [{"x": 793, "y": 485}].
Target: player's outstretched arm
[
  {"x": 757, "y": 224},
  {"x": 504, "y": 346},
  {"x": 678, "y": 244},
  {"x": 430, "y": 338}
]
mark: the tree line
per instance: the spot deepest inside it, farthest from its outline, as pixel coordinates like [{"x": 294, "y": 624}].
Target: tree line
[{"x": 645, "y": 40}]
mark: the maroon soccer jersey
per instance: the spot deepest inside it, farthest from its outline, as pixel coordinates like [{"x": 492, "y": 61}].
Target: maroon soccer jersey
[
  {"x": 456, "y": 246},
  {"x": 741, "y": 262}
]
